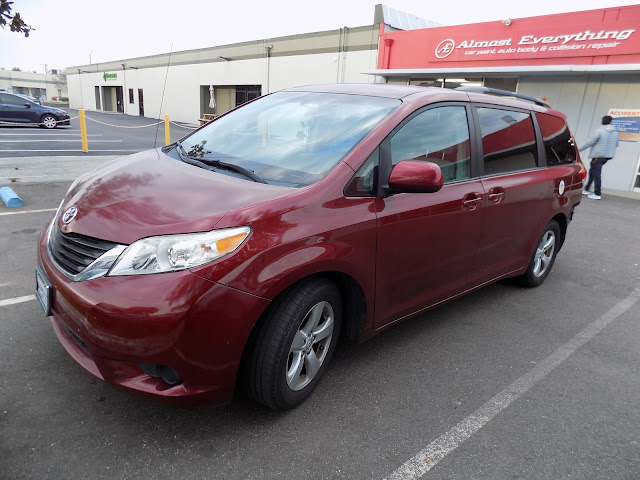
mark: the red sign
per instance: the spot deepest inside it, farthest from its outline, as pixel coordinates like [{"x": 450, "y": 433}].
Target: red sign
[{"x": 597, "y": 36}]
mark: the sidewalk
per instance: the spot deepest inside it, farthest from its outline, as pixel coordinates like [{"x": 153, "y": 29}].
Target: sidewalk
[{"x": 618, "y": 193}]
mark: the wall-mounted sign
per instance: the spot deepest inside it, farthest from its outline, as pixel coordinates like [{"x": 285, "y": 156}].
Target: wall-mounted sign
[
  {"x": 541, "y": 45},
  {"x": 627, "y": 123},
  {"x": 609, "y": 36},
  {"x": 110, "y": 76}
]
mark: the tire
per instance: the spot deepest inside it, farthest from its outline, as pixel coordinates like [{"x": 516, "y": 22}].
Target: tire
[
  {"x": 48, "y": 121},
  {"x": 543, "y": 256},
  {"x": 294, "y": 344}
]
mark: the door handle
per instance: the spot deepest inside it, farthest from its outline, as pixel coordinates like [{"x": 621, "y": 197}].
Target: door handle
[
  {"x": 472, "y": 200},
  {"x": 496, "y": 194}
]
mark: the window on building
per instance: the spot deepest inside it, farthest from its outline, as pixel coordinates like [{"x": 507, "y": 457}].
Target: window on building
[
  {"x": 427, "y": 82},
  {"x": 508, "y": 140},
  {"x": 503, "y": 83},
  {"x": 247, "y": 93},
  {"x": 509, "y": 84},
  {"x": 439, "y": 135},
  {"x": 131, "y": 95},
  {"x": 462, "y": 82}
]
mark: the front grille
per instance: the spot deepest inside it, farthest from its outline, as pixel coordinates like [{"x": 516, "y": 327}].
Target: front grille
[{"x": 73, "y": 252}]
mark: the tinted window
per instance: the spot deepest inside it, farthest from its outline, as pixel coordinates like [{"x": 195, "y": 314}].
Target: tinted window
[
  {"x": 559, "y": 146},
  {"x": 13, "y": 100},
  {"x": 291, "y": 138},
  {"x": 439, "y": 135},
  {"x": 508, "y": 140}
]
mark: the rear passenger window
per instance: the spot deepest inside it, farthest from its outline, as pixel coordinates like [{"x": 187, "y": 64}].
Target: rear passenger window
[
  {"x": 508, "y": 140},
  {"x": 559, "y": 146},
  {"x": 439, "y": 135}
]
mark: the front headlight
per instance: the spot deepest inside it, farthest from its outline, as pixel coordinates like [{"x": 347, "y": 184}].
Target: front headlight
[{"x": 169, "y": 253}]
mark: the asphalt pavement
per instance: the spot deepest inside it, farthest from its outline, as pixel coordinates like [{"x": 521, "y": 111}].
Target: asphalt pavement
[
  {"x": 107, "y": 134},
  {"x": 504, "y": 383}
]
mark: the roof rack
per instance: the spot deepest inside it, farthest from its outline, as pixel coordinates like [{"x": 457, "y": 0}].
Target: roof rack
[{"x": 504, "y": 93}]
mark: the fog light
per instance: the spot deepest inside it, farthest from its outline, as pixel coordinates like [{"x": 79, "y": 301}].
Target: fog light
[{"x": 167, "y": 374}]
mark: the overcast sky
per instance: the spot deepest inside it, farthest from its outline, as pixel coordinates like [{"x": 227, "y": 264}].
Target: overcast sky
[{"x": 71, "y": 32}]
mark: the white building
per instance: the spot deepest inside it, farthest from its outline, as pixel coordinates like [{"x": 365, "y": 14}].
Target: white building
[
  {"x": 238, "y": 73},
  {"x": 50, "y": 86}
]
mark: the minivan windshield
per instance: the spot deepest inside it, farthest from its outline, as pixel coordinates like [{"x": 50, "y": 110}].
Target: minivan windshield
[{"x": 290, "y": 138}]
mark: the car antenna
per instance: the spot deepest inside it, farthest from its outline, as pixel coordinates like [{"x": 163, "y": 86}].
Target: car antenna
[{"x": 166, "y": 75}]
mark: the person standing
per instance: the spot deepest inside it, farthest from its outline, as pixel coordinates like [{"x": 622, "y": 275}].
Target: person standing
[{"x": 603, "y": 143}]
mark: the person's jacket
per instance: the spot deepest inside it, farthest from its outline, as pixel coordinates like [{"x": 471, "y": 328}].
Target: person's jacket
[{"x": 603, "y": 142}]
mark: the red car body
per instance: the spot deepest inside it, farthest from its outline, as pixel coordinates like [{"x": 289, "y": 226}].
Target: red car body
[{"x": 392, "y": 256}]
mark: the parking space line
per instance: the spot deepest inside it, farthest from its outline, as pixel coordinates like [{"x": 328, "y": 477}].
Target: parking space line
[
  {"x": 48, "y": 134},
  {"x": 427, "y": 458},
  {"x": 36, "y": 140},
  {"x": 14, "y": 300},
  {"x": 93, "y": 150},
  {"x": 29, "y": 211}
]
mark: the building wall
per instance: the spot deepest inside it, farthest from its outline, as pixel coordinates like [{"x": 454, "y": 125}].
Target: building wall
[
  {"x": 585, "y": 100},
  {"x": 323, "y": 57}
]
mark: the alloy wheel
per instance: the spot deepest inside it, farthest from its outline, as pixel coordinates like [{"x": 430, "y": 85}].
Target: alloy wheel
[{"x": 310, "y": 346}]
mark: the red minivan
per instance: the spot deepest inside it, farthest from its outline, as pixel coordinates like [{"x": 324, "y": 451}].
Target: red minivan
[{"x": 242, "y": 253}]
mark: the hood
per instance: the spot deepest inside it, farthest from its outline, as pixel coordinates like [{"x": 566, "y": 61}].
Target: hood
[{"x": 150, "y": 193}]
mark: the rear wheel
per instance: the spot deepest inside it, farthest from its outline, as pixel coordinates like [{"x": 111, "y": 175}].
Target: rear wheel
[
  {"x": 48, "y": 121},
  {"x": 543, "y": 256},
  {"x": 294, "y": 344}
]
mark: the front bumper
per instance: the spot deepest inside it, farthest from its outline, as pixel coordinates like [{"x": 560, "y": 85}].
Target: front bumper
[{"x": 111, "y": 325}]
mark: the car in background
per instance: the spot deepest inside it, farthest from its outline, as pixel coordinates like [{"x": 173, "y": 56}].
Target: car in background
[
  {"x": 30, "y": 98},
  {"x": 242, "y": 253},
  {"x": 16, "y": 108}
]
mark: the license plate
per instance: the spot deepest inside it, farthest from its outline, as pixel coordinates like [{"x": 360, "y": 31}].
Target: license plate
[{"x": 44, "y": 291}]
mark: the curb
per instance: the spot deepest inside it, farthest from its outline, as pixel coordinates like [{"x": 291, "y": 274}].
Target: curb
[{"x": 10, "y": 198}]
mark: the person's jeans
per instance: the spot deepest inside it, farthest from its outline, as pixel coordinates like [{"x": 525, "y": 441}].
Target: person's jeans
[{"x": 595, "y": 174}]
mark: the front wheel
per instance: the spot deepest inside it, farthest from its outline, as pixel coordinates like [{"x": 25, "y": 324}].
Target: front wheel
[
  {"x": 294, "y": 344},
  {"x": 543, "y": 256},
  {"x": 48, "y": 121}
]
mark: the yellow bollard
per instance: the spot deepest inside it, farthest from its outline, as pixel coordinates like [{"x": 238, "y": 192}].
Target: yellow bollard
[
  {"x": 83, "y": 132},
  {"x": 167, "y": 137}
]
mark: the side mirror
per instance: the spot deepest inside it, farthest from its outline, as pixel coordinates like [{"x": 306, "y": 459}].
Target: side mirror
[{"x": 415, "y": 176}]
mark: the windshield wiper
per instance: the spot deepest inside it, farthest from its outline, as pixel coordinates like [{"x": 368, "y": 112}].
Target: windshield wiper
[{"x": 208, "y": 164}]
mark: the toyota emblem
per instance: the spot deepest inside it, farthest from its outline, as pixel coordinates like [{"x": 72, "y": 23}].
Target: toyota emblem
[{"x": 69, "y": 215}]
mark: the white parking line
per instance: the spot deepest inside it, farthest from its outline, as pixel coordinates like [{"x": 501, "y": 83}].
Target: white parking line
[
  {"x": 93, "y": 150},
  {"x": 48, "y": 134},
  {"x": 427, "y": 458},
  {"x": 35, "y": 140},
  {"x": 29, "y": 211},
  {"x": 17, "y": 130},
  {"x": 11, "y": 301}
]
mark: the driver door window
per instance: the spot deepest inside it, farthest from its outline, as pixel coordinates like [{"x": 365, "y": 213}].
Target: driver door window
[{"x": 439, "y": 135}]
